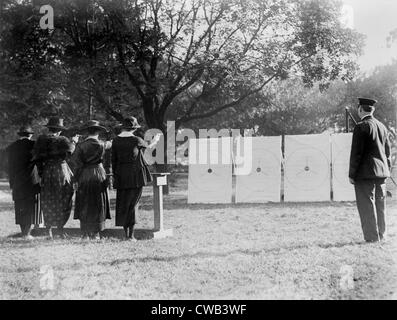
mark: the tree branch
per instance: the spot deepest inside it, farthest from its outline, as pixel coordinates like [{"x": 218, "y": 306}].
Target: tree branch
[
  {"x": 103, "y": 103},
  {"x": 214, "y": 111}
]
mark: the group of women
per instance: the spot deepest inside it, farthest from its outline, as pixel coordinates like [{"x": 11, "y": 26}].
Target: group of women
[{"x": 65, "y": 166}]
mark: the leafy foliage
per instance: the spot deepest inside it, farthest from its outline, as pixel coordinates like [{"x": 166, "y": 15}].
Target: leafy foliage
[{"x": 182, "y": 60}]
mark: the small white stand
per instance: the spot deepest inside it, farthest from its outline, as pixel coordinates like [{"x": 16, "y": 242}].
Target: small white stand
[{"x": 159, "y": 180}]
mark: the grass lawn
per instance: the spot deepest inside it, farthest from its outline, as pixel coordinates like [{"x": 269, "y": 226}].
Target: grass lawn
[{"x": 265, "y": 251}]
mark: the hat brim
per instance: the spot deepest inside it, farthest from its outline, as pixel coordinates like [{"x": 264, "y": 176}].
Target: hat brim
[
  {"x": 130, "y": 127},
  {"x": 25, "y": 132},
  {"x": 367, "y": 102},
  {"x": 94, "y": 127},
  {"x": 56, "y": 127}
]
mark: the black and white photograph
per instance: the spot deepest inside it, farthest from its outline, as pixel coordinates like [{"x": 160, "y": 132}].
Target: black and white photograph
[{"x": 198, "y": 150}]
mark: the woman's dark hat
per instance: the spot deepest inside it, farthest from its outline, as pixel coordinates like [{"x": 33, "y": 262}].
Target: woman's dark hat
[
  {"x": 25, "y": 130},
  {"x": 130, "y": 123},
  {"x": 56, "y": 123},
  {"x": 366, "y": 102},
  {"x": 94, "y": 124},
  {"x": 73, "y": 131}
]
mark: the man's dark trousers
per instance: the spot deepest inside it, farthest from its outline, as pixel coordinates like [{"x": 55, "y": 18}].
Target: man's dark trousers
[{"x": 371, "y": 204}]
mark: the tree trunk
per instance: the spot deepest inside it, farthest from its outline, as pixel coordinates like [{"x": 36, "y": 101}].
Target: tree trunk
[
  {"x": 164, "y": 167},
  {"x": 155, "y": 121},
  {"x": 89, "y": 110}
]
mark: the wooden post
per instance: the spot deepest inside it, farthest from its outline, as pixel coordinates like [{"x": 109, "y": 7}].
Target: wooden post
[
  {"x": 159, "y": 180},
  {"x": 158, "y": 207},
  {"x": 347, "y": 119}
]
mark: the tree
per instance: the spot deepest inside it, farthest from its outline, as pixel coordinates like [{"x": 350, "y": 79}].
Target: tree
[
  {"x": 208, "y": 56},
  {"x": 28, "y": 84},
  {"x": 203, "y": 56},
  {"x": 381, "y": 85},
  {"x": 288, "y": 107}
]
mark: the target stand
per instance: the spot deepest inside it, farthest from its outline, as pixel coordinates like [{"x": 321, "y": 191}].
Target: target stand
[{"x": 159, "y": 180}]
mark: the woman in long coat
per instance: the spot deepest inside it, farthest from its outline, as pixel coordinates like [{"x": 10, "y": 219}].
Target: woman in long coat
[
  {"x": 50, "y": 153},
  {"x": 23, "y": 181},
  {"x": 130, "y": 173},
  {"x": 92, "y": 206}
]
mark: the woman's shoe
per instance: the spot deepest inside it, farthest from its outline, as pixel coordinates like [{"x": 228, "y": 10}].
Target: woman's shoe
[
  {"x": 131, "y": 239},
  {"x": 50, "y": 236},
  {"x": 64, "y": 235},
  {"x": 131, "y": 232},
  {"x": 96, "y": 236},
  {"x": 125, "y": 233},
  {"x": 85, "y": 237}
]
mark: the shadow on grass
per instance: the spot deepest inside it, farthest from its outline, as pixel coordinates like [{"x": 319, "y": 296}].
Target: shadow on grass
[
  {"x": 197, "y": 255},
  {"x": 73, "y": 234},
  {"x": 204, "y": 254},
  {"x": 175, "y": 202}
]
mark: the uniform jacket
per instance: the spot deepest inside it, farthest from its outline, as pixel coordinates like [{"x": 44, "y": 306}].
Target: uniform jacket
[
  {"x": 130, "y": 170},
  {"x": 21, "y": 169},
  {"x": 370, "y": 156}
]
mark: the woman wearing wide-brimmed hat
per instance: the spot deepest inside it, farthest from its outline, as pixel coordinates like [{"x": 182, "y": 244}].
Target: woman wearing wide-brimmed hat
[
  {"x": 50, "y": 153},
  {"x": 92, "y": 206},
  {"x": 130, "y": 173}
]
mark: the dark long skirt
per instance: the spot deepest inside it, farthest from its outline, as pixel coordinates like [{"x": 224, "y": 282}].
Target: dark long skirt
[
  {"x": 56, "y": 193},
  {"x": 127, "y": 205},
  {"x": 27, "y": 211},
  {"x": 92, "y": 200}
]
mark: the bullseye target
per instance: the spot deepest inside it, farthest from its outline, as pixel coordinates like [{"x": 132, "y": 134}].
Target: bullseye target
[
  {"x": 343, "y": 190},
  {"x": 307, "y": 168},
  {"x": 262, "y": 182},
  {"x": 210, "y": 171}
]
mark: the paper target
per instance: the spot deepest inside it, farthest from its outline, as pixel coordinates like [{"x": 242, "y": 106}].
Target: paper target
[
  {"x": 342, "y": 189},
  {"x": 307, "y": 168},
  {"x": 263, "y": 181},
  {"x": 210, "y": 180}
]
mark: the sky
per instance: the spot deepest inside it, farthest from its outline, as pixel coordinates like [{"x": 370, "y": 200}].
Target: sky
[{"x": 375, "y": 19}]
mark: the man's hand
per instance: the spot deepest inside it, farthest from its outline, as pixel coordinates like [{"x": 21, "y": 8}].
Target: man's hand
[{"x": 351, "y": 181}]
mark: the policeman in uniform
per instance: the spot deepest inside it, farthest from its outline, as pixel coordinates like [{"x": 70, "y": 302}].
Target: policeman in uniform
[{"x": 370, "y": 162}]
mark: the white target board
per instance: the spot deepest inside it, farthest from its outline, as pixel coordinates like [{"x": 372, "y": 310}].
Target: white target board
[
  {"x": 307, "y": 168},
  {"x": 261, "y": 182},
  {"x": 210, "y": 171},
  {"x": 342, "y": 189}
]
